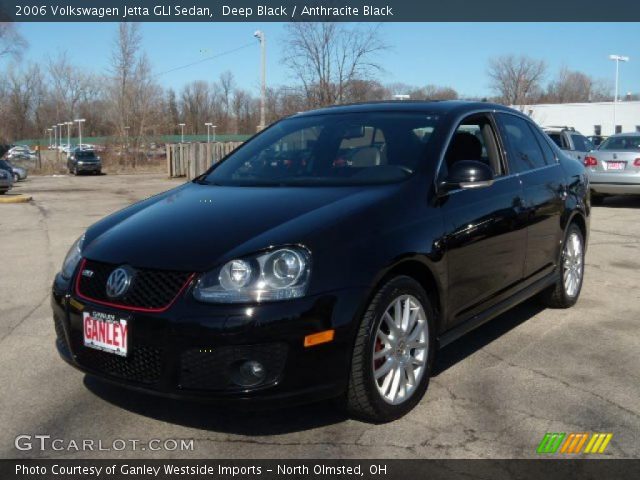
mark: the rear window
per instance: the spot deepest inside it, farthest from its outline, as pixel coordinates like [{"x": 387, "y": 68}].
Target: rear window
[
  {"x": 85, "y": 155},
  {"x": 580, "y": 143},
  {"x": 629, "y": 142}
]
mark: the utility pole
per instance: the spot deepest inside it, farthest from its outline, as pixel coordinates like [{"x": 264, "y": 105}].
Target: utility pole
[{"x": 259, "y": 34}]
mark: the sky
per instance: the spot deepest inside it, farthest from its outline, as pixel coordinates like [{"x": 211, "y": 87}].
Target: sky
[{"x": 445, "y": 54}]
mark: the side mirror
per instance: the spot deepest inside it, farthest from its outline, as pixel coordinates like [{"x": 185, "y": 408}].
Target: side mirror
[{"x": 467, "y": 174}]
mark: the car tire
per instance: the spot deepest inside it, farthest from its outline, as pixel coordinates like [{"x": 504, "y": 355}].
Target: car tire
[
  {"x": 16, "y": 178},
  {"x": 564, "y": 293},
  {"x": 367, "y": 397}
]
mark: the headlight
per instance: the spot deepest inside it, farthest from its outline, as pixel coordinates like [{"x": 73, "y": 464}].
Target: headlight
[
  {"x": 74, "y": 255},
  {"x": 276, "y": 275}
]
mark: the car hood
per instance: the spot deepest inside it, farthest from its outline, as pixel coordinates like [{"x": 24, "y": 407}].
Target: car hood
[{"x": 195, "y": 227}]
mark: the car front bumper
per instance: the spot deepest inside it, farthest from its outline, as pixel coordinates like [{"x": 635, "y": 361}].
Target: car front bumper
[
  {"x": 89, "y": 167},
  {"x": 615, "y": 183},
  {"x": 192, "y": 350}
]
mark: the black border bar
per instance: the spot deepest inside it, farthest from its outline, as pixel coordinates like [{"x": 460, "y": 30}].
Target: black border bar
[
  {"x": 534, "y": 469},
  {"x": 321, "y": 10}
]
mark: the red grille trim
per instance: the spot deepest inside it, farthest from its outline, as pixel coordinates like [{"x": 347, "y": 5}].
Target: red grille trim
[{"x": 128, "y": 307}]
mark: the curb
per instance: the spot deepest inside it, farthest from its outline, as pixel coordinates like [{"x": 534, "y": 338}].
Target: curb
[{"x": 15, "y": 198}]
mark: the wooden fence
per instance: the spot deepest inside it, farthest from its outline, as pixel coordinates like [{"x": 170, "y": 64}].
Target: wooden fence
[{"x": 191, "y": 159}]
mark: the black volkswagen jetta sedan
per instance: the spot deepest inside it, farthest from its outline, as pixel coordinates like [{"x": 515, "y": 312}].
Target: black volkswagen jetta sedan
[{"x": 329, "y": 256}]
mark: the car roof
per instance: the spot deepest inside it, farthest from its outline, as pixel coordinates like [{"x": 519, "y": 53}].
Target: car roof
[
  {"x": 629, "y": 134},
  {"x": 437, "y": 107}
]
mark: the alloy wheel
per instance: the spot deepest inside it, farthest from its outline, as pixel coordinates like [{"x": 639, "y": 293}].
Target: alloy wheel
[
  {"x": 572, "y": 264},
  {"x": 400, "y": 350}
]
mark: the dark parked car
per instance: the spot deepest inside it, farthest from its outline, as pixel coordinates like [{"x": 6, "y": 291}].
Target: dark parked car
[
  {"x": 84, "y": 161},
  {"x": 329, "y": 256}
]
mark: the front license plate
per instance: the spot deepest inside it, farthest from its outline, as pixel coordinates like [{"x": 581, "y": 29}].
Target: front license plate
[
  {"x": 616, "y": 165},
  {"x": 105, "y": 331}
]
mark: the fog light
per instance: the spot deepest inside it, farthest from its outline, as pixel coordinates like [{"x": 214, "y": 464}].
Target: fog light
[{"x": 248, "y": 373}]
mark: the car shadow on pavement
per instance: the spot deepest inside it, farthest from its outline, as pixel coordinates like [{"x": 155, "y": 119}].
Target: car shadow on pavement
[
  {"x": 484, "y": 335},
  {"x": 621, "y": 201},
  {"x": 219, "y": 418}
]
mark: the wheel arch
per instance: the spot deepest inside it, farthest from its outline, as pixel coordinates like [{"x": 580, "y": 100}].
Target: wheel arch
[{"x": 424, "y": 275}]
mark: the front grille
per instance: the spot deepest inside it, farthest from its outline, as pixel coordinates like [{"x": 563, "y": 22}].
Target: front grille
[
  {"x": 211, "y": 369},
  {"x": 150, "y": 289},
  {"x": 143, "y": 363}
]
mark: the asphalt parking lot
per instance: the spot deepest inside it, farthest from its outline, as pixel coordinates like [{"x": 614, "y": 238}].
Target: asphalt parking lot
[{"x": 496, "y": 392}]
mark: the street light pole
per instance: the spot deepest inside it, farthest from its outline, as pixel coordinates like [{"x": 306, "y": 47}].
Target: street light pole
[
  {"x": 181, "y": 125},
  {"x": 55, "y": 136},
  {"x": 617, "y": 59},
  {"x": 50, "y": 137},
  {"x": 214, "y": 133},
  {"x": 80, "y": 122},
  {"x": 259, "y": 34},
  {"x": 60, "y": 125},
  {"x": 69, "y": 135},
  {"x": 208, "y": 125}
]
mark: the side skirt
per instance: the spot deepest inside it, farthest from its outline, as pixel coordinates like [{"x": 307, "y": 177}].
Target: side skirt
[{"x": 492, "y": 312}]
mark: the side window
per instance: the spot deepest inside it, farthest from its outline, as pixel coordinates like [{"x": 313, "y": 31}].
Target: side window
[
  {"x": 549, "y": 154},
  {"x": 557, "y": 139},
  {"x": 580, "y": 143},
  {"x": 523, "y": 151},
  {"x": 474, "y": 139}
]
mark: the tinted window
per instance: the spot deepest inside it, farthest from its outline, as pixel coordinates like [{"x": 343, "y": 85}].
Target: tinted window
[
  {"x": 549, "y": 154},
  {"x": 580, "y": 143},
  {"x": 85, "y": 155},
  {"x": 630, "y": 142},
  {"x": 334, "y": 149},
  {"x": 557, "y": 139},
  {"x": 474, "y": 139},
  {"x": 523, "y": 150}
]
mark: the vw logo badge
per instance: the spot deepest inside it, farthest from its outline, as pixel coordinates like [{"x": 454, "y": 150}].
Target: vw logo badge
[{"x": 118, "y": 282}]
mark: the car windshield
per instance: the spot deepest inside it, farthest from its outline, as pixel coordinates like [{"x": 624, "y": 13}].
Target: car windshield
[
  {"x": 333, "y": 149},
  {"x": 629, "y": 142},
  {"x": 85, "y": 155}
]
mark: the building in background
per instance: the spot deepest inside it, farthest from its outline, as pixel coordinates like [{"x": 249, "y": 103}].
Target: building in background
[{"x": 588, "y": 118}]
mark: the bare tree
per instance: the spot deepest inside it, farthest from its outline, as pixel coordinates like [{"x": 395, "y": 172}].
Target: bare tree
[
  {"x": 326, "y": 57},
  {"x": 569, "y": 86},
  {"x": 11, "y": 42},
  {"x": 23, "y": 90},
  {"x": 196, "y": 105},
  {"x": 517, "y": 79},
  {"x": 70, "y": 86},
  {"x": 123, "y": 64}
]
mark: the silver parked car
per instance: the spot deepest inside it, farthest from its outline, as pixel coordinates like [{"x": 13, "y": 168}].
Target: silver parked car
[
  {"x": 571, "y": 141},
  {"x": 19, "y": 173},
  {"x": 614, "y": 168},
  {"x": 6, "y": 182}
]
